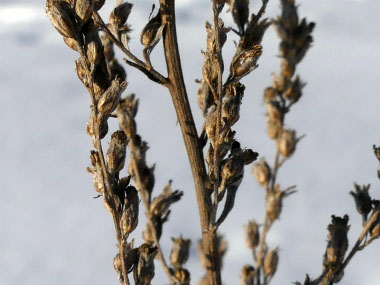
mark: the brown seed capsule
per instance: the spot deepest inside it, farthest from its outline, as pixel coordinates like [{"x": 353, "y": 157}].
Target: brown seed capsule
[
  {"x": 72, "y": 43},
  {"x": 252, "y": 235},
  {"x": 270, "y": 95},
  {"x": 152, "y": 32},
  {"x": 82, "y": 71},
  {"x": 120, "y": 14},
  {"x": 117, "y": 265},
  {"x": 96, "y": 172},
  {"x": 363, "y": 200},
  {"x": 182, "y": 275},
  {"x": 248, "y": 275},
  {"x": 274, "y": 111},
  {"x": 262, "y": 172},
  {"x": 129, "y": 218},
  {"x": 288, "y": 67},
  {"x": 287, "y": 143},
  {"x": 294, "y": 92},
  {"x": 160, "y": 205},
  {"x": 244, "y": 62},
  {"x": 180, "y": 251},
  {"x": 83, "y": 9},
  {"x": 274, "y": 129},
  {"x": 270, "y": 262},
  {"x": 108, "y": 101},
  {"x": 62, "y": 17},
  {"x": 280, "y": 82},
  {"x": 116, "y": 152},
  {"x": 94, "y": 52},
  {"x": 274, "y": 201},
  {"x": 144, "y": 270}
]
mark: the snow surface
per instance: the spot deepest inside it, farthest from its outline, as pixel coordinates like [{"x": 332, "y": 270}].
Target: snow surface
[{"x": 53, "y": 232}]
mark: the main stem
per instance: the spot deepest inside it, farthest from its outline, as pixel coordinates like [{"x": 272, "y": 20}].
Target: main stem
[{"x": 177, "y": 89}]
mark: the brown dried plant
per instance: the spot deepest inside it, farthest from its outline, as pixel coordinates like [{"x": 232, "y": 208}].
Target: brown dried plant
[{"x": 217, "y": 177}]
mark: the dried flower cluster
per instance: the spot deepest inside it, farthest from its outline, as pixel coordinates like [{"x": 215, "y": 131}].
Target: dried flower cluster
[{"x": 219, "y": 175}]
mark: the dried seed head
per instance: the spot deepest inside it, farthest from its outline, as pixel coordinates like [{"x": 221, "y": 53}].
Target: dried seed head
[
  {"x": 152, "y": 32},
  {"x": 254, "y": 32},
  {"x": 244, "y": 62},
  {"x": 62, "y": 17},
  {"x": 287, "y": 142},
  {"x": 144, "y": 271},
  {"x": 96, "y": 172},
  {"x": 129, "y": 218},
  {"x": 270, "y": 95},
  {"x": 274, "y": 128},
  {"x": 252, "y": 234},
  {"x": 182, "y": 275},
  {"x": 83, "y": 9},
  {"x": 262, "y": 172},
  {"x": 288, "y": 67},
  {"x": 240, "y": 13},
  {"x": 120, "y": 14},
  {"x": 232, "y": 173},
  {"x": 362, "y": 199},
  {"x": 160, "y": 205},
  {"x": 117, "y": 151},
  {"x": 108, "y": 101},
  {"x": 180, "y": 251},
  {"x": 270, "y": 262},
  {"x": 289, "y": 17},
  {"x": 248, "y": 275},
  {"x": 294, "y": 92},
  {"x": 82, "y": 71},
  {"x": 274, "y": 111},
  {"x": 72, "y": 43},
  {"x": 274, "y": 201}
]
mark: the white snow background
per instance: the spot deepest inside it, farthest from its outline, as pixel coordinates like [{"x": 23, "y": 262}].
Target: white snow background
[{"x": 54, "y": 232}]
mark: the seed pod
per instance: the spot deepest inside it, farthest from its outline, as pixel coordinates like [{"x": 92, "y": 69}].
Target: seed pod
[
  {"x": 274, "y": 111},
  {"x": 82, "y": 71},
  {"x": 143, "y": 272},
  {"x": 94, "y": 52},
  {"x": 129, "y": 218},
  {"x": 280, "y": 82},
  {"x": 96, "y": 172},
  {"x": 120, "y": 14},
  {"x": 180, "y": 251},
  {"x": 72, "y": 43},
  {"x": 294, "y": 92},
  {"x": 274, "y": 129},
  {"x": 287, "y": 143},
  {"x": 160, "y": 205},
  {"x": 248, "y": 275},
  {"x": 270, "y": 95},
  {"x": 83, "y": 9},
  {"x": 152, "y": 32},
  {"x": 116, "y": 152},
  {"x": 62, "y": 17},
  {"x": 240, "y": 13},
  {"x": 270, "y": 262},
  {"x": 182, "y": 275},
  {"x": 274, "y": 201},
  {"x": 118, "y": 265},
  {"x": 244, "y": 62},
  {"x": 262, "y": 172},
  {"x": 108, "y": 101},
  {"x": 252, "y": 235}
]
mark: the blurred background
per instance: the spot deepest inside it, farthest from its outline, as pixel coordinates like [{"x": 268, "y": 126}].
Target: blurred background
[{"x": 54, "y": 232}]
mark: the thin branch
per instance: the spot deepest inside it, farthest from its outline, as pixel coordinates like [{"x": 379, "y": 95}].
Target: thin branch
[{"x": 141, "y": 65}]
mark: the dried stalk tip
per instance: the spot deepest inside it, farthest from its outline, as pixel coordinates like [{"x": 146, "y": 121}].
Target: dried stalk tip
[
  {"x": 337, "y": 245},
  {"x": 363, "y": 200},
  {"x": 248, "y": 275},
  {"x": 252, "y": 235},
  {"x": 262, "y": 172},
  {"x": 180, "y": 251},
  {"x": 270, "y": 263}
]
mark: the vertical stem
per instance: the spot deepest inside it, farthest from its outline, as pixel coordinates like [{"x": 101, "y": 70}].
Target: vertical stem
[{"x": 176, "y": 86}]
